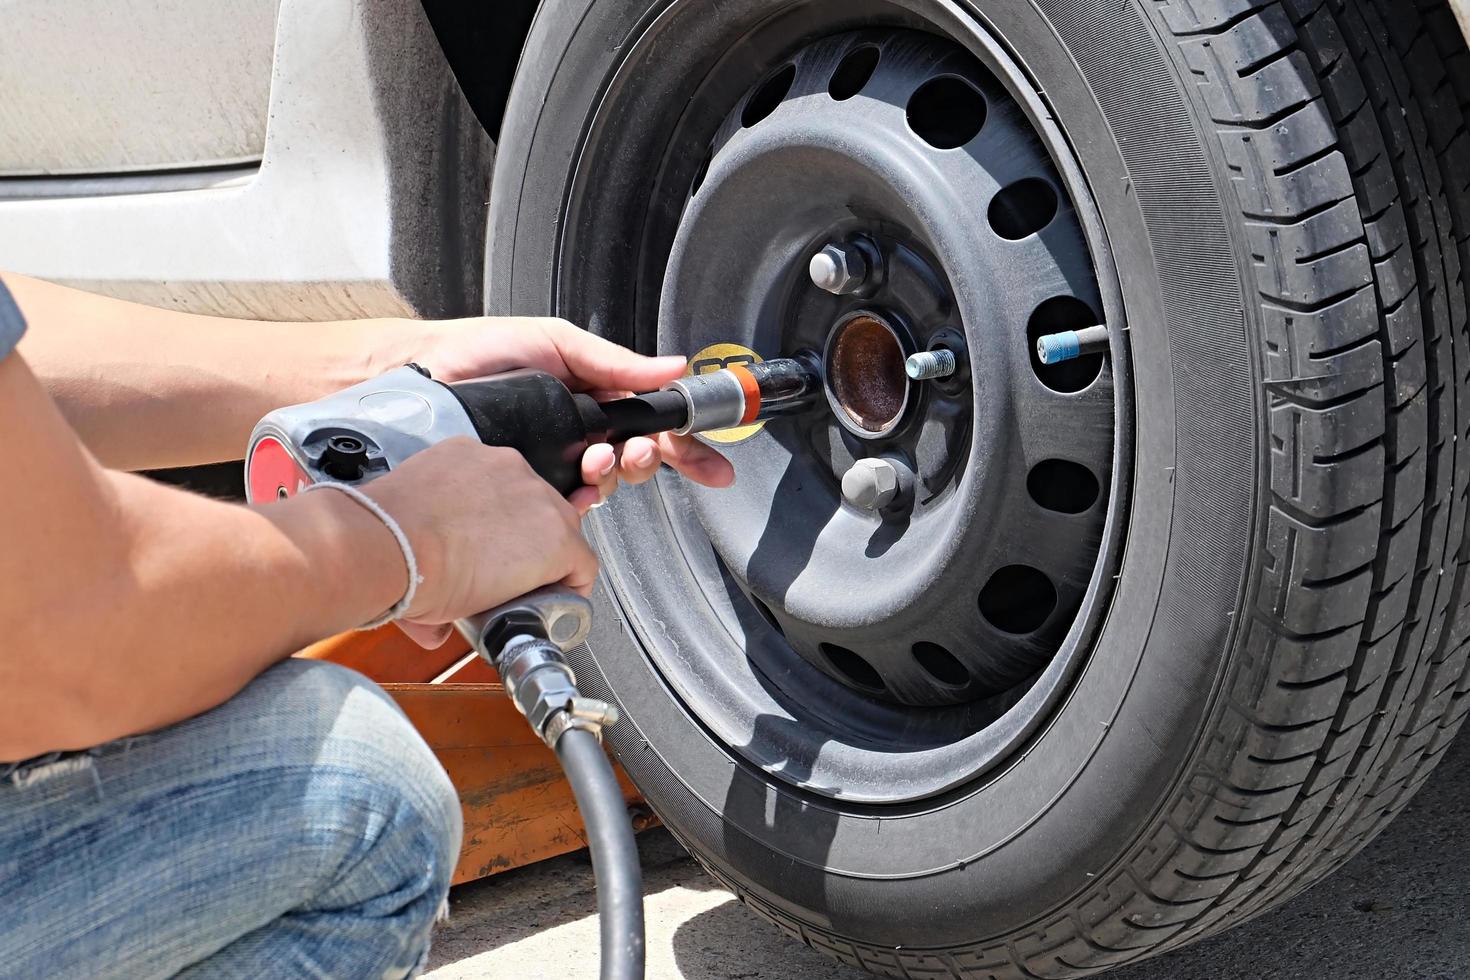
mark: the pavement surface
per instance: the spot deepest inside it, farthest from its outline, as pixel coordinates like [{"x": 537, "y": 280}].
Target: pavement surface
[{"x": 1399, "y": 910}]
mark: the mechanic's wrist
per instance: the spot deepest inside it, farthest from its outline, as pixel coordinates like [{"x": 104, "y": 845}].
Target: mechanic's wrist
[
  {"x": 352, "y": 567},
  {"x": 419, "y": 529},
  {"x": 329, "y": 357}
]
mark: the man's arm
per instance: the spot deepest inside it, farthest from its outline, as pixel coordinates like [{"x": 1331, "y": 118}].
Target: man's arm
[
  {"x": 127, "y": 605},
  {"x": 147, "y": 388},
  {"x": 123, "y": 600}
]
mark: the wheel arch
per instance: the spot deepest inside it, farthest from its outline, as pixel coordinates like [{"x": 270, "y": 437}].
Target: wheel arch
[{"x": 483, "y": 45}]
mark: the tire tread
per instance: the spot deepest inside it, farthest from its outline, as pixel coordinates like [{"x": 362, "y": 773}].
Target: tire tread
[{"x": 1343, "y": 128}]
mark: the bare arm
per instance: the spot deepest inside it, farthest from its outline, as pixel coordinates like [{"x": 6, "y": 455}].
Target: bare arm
[
  {"x": 147, "y": 388},
  {"x": 128, "y": 605}
]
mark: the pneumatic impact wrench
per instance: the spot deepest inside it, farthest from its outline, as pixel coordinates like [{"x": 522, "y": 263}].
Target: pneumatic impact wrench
[{"x": 365, "y": 431}]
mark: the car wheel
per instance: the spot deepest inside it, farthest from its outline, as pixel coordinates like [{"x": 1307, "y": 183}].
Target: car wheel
[{"x": 1138, "y": 644}]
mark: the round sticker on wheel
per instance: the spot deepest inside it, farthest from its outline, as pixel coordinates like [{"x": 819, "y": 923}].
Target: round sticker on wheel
[{"x": 717, "y": 357}]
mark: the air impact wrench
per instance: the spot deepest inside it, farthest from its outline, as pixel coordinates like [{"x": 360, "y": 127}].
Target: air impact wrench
[{"x": 365, "y": 431}]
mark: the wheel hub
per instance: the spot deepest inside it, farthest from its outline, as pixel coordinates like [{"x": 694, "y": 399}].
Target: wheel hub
[
  {"x": 866, "y": 383},
  {"x": 870, "y": 208}
]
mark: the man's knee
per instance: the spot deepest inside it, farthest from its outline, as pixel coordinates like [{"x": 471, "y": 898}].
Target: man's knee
[
  {"x": 369, "y": 787},
  {"x": 331, "y": 789},
  {"x": 308, "y": 795},
  {"x": 370, "y": 834}
]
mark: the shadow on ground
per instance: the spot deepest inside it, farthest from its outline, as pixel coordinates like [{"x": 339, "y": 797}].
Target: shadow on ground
[{"x": 1398, "y": 911}]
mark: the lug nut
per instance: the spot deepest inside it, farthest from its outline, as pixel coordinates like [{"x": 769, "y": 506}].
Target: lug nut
[
  {"x": 839, "y": 268},
  {"x": 871, "y": 484},
  {"x": 928, "y": 365},
  {"x": 1054, "y": 348}
]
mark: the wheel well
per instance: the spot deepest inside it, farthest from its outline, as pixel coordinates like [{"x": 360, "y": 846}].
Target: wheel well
[{"x": 483, "y": 43}]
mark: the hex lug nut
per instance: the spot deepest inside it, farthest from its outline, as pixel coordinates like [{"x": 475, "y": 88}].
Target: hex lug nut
[
  {"x": 929, "y": 365},
  {"x": 871, "y": 484},
  {"x": 840, "y": 268}
]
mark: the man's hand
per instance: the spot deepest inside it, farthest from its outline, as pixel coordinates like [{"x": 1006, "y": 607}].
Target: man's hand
[
  {"x": 459, "y": 350},
  {"x": 484, "y": 529}
]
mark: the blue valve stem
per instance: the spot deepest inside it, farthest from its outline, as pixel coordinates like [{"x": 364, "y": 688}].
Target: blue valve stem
[{"x": 1054, "y": 348}]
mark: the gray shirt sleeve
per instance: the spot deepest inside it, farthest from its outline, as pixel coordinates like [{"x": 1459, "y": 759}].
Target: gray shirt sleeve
[{"x": 12, "y": 324}]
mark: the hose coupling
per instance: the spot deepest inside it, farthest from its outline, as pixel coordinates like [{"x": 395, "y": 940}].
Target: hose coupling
[
  {"x": 586, "y": 714},
  {"x": 539, "y": 682},
  {"x": 524, "y": 640}
]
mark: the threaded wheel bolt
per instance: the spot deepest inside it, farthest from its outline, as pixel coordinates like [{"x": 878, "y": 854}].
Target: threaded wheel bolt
[{"x": 928, "y": 365}]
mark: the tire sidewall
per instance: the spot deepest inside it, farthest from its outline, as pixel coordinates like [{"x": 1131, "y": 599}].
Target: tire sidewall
[{"x": 1100, "y": 776}]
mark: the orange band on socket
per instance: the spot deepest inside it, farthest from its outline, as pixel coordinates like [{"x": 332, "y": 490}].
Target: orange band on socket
[{"x": 752, "y": 389}]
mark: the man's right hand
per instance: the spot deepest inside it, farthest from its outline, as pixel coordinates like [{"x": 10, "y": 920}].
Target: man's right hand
[{"x": 484, "y": 530}]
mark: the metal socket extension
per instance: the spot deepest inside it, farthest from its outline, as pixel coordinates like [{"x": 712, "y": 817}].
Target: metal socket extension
[{"x": 716, "y": 401}]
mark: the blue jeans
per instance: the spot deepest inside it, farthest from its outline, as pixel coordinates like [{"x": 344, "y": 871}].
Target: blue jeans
[{"x": 301, "y": 829}]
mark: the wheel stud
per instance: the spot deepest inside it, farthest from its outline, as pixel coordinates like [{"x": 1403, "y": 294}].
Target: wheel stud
[
  {"x": 839, "y": 268},
  {"x": 930, "y": 365},
  {"x": 1054, "y": 348}
]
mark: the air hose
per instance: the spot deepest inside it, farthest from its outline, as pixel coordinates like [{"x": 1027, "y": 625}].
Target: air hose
[
  {"x": 525, "y": 641},
  {"x": 614, "y": 853}
]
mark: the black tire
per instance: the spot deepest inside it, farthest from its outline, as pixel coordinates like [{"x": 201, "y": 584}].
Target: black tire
[{"x": 1284, "y": 660}]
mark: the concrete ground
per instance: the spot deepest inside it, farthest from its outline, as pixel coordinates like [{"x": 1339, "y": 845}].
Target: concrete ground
[{"x": 1399, "y": 910}]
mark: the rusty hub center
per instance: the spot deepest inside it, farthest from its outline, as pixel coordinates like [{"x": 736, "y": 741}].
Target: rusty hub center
[{"x": 866, "y": 382}]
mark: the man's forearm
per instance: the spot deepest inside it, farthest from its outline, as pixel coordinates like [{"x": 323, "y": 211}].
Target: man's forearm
[
  {"x": 128, "y": 605},
  {"x": 148, "y": 388},
  {"x": 219, "y": 592}
]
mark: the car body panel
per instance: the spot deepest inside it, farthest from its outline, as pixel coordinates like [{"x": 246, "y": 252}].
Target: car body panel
[
  {"x": 281, "y": 159},
  {"x": 102, "y": 86},
  {"x": 368, "y": 200}
]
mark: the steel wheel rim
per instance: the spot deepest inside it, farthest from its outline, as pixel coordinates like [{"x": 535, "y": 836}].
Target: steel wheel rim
[{"x": 743, "y": 704}]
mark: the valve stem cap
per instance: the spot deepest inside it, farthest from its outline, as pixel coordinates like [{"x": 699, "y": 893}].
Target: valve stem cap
[
  {"x": 1054, "y": 348},
  {"x": 930, "y": 364}
]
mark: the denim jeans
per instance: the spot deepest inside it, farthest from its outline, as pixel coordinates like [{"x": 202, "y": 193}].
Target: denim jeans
[{"x": 301, "y": 829}]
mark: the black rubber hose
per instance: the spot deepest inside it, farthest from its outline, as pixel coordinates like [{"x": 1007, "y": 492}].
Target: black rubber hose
[{"x": 614, "y": 853}]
